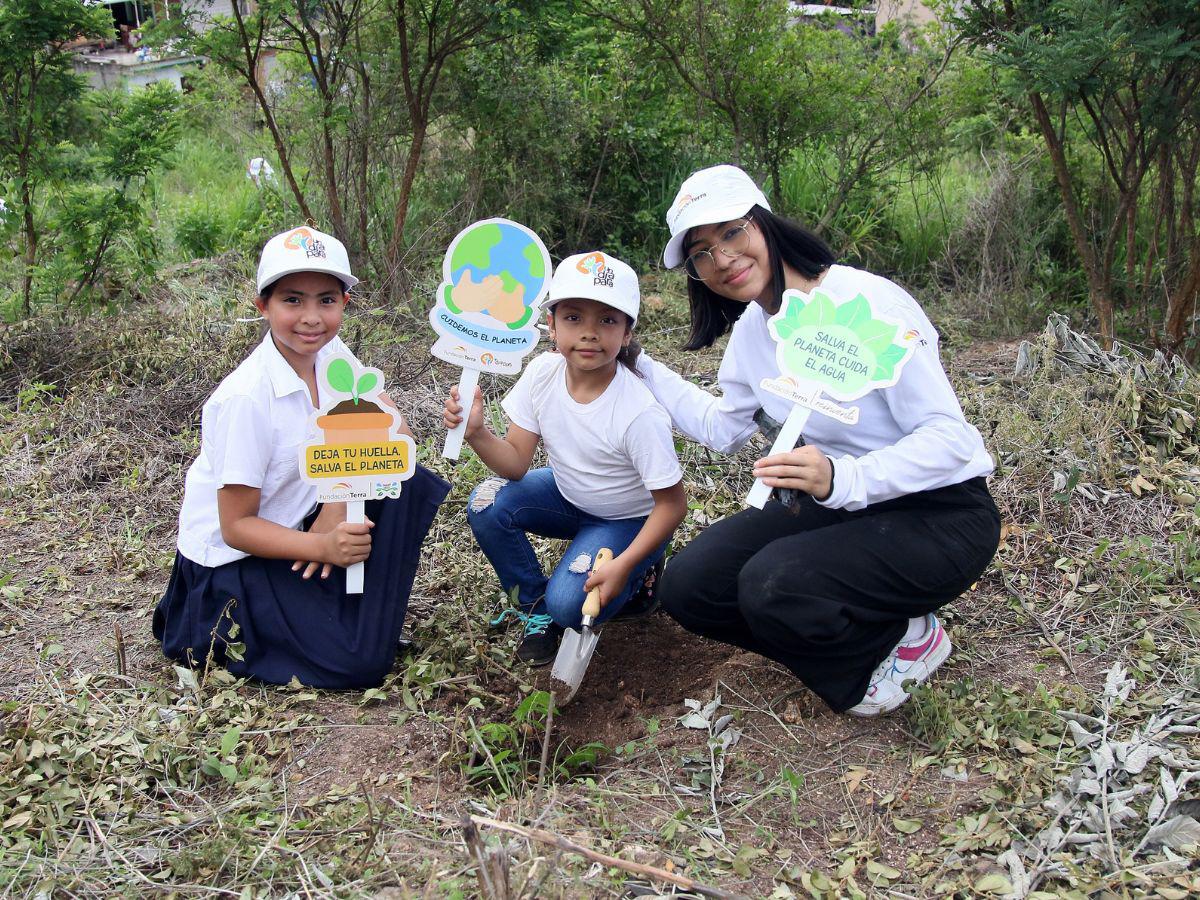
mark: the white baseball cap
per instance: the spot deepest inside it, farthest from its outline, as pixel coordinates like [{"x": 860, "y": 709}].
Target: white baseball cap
[
  {"x": 596, "y": 276},
  {"x": 716, "y": 194},
  {"x": 304, "y": 249}
]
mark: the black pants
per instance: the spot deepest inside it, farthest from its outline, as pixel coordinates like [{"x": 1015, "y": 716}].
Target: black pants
[{"x": 826, "y": 592}]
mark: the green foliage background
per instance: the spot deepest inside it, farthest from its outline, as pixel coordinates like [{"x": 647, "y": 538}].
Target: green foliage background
[{"x": 913, "y": 152}]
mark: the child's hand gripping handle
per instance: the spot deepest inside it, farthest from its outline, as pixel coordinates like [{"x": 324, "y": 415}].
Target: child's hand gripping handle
[{"x": 591, "y": 604}]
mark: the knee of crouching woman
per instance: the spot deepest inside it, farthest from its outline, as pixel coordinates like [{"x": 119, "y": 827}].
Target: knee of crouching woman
[{"x": 680, "y": 586}]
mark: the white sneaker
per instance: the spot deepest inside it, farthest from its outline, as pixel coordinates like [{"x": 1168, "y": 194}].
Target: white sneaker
[{"x": 913, "y": 661}]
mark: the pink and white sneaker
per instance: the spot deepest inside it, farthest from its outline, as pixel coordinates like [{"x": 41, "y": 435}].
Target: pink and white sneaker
[{"x": 913, "y": 661}]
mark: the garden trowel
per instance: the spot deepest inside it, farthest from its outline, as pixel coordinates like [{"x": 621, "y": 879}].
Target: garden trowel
[{"x": 575, "y": 651}]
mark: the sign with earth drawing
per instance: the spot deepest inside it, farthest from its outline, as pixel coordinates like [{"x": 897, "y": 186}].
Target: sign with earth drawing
[
  {"x": 494, "y": 276},
  {"x": 829, "y": 350},
  {"x": 361, "y": 454}
]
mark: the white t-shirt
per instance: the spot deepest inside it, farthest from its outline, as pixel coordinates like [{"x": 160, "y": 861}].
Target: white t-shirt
[
  {"x": 252, "y": 429},
  {"x": 910, "y": 437},
  {"x": 607, "y": 455}
]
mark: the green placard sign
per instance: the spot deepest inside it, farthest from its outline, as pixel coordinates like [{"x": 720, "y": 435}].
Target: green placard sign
[
  {"x": 843, "y": 347},
  {"x": 826, "y": 346}
]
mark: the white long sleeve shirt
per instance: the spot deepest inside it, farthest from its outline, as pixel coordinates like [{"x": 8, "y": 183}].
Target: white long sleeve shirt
[{"x": 909, "y": 437}]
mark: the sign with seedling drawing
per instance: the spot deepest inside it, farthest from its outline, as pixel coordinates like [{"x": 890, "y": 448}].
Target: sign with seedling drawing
[
  {"x": 829, "y": 350},
  {"x": 494, "y": 276},
  {"x": 363, "y": 456}
]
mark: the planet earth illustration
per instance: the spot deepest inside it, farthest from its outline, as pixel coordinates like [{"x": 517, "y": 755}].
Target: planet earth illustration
[{"x": 498, "y": 269}]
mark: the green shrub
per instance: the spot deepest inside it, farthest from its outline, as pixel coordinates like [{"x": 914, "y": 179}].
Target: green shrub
[{"x": 199, "y": 230}]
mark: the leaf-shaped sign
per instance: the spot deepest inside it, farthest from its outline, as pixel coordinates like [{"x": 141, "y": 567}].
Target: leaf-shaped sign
[
  {"x": 340, "y": 376},
  {"x": 843, "y": 347}
]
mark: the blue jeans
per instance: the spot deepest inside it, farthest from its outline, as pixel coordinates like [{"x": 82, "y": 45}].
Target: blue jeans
[{"x": 501, "y": 513}]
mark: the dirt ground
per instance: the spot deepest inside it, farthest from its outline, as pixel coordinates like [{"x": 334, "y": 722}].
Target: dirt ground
[{"x": 800, "y": 789}]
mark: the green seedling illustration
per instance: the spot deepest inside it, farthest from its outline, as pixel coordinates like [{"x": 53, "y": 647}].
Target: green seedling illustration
[{"x": 341, "y": 378}]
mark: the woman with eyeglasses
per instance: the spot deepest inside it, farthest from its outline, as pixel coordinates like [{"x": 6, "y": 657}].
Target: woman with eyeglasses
[{"x": 871, "y": 527}]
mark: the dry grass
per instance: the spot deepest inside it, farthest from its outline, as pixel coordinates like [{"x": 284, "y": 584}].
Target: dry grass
[{"x": 132, "y": 778}]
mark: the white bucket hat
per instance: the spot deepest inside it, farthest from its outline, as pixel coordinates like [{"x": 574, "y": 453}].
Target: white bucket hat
[
  {"x": 304, "y": 249},
  {"x": 715, "y": 194},
  {"x": 596, "y": 276}
]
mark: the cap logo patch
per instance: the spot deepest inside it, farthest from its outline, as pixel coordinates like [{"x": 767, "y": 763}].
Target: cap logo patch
[
  {"x": 684, "y": 202},
  {"x": 303, "y": 239},
  {"x": 593, "y": 264}
]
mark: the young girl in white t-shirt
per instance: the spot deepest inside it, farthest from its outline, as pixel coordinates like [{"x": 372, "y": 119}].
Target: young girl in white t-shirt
[
  {"x": 613, "y": 481},
  {"x": 250, "y": 533}
]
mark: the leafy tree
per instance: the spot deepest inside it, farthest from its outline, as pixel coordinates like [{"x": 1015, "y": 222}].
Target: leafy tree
[
  {"x": 785, "y": 85},
  {"x": 355, "y": 92},
  {"x": 1115, "y": 82},
  {"x": 581, "y": 139},
  {"x": 141, "y": 130},
  {"x": 38, "y": 92}
]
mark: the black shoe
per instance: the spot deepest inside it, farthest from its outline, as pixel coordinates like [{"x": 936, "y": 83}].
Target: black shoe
[
  {"x": 645, "y": 599},
  {"x": 406, "y": 645},
  {"x": 539, "y": 644}
]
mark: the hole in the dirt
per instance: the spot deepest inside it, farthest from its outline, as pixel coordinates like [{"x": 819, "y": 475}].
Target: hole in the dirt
[{"x": 641, "y": 670}]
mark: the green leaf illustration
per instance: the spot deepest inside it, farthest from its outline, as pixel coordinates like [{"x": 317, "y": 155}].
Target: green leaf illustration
[
  {"x": 817, "y": 311},
  {"x": 872, "y": 331},
  {"x": 885, "y": 362},
  {"x": 785, "y": 328},
  {"x": 854, "y": 313},
  {"x": 881, "y": 342},
  {"x": 340, "y": 376},
  {"x": 366, "y": 382}
]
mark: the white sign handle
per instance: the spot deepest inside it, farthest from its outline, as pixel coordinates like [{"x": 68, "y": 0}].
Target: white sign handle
[
  {"x": 354, "y": 573},
  {"x": 789, "y": 434},
  {"x": 466, "y": 396}
]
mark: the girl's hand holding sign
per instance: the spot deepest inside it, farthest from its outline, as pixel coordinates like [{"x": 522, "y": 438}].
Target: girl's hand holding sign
[{"x": 804, "y": 469}]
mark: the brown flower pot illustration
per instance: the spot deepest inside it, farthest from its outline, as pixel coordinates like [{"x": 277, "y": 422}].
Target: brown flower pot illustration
[{"x": 356, "y": 423}]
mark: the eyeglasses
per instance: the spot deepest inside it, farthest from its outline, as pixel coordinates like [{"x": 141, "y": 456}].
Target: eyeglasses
[{"x": 701, "y": 265}]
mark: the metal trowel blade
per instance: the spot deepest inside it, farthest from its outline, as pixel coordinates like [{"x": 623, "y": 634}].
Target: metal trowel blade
[{"x": 574, "y": 654}]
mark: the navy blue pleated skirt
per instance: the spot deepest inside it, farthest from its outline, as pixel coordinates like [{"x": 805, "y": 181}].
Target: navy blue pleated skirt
[{"x": 308, "y": 629}]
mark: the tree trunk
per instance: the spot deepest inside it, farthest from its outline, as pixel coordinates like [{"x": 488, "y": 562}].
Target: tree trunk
[
  {"x": 1181, "y": 303},
  {"x": 411, "y": 164},
  {"x": 253, "y": 60},
  {"x": 31, "y": 242},
  {"x": 1098, "y": 291}
]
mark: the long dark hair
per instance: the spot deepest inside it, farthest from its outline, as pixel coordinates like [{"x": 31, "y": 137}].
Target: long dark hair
[{"x": 787, "y": 242}]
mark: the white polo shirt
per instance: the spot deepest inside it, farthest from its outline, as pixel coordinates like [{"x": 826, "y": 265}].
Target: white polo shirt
[
  {"x": 252, "y": 429},
  {"x": 606, "y": 455}
]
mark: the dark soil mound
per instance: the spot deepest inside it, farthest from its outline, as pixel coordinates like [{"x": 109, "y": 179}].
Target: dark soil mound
[{"x": 348, "y": 407}]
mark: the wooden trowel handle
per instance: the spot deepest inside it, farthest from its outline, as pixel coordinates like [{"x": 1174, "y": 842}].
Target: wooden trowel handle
[{"x": 591, "y": 605}]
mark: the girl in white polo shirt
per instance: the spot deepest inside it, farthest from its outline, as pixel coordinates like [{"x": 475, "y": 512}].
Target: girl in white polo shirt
[
  {"x": 613, "y": 480},
  {"x": 250, "y": 534}
]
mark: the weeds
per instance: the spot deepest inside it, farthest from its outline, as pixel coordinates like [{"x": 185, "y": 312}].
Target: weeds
[
  {"x": 149, "y": 782},
  {"x": 504, "y": 757}
]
